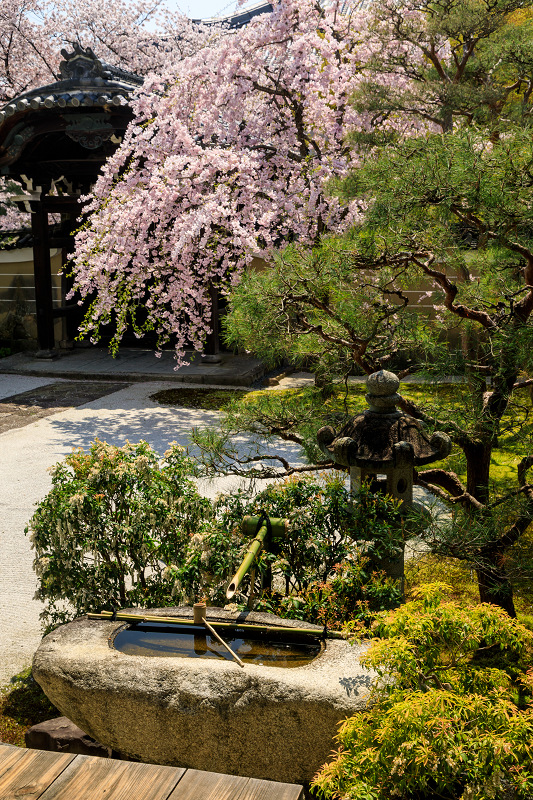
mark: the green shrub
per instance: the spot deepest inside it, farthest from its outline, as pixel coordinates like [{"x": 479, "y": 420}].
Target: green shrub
[
  {"x": 354, "y": 592},
  {"x": 112, "y": 522},
  {"x": 452, "y": 714},
  {"x": 121, "y": 527},
  {"x": 328, "y": 563}
]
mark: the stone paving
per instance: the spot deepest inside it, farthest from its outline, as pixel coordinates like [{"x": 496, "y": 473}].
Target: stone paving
[
  {"x": 133, "y": 364},
  {"x": 24, "y": 408}
]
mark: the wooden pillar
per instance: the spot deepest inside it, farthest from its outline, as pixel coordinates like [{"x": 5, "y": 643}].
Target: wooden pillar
[
  {"x": 43, "y": 281},
  {"x": 70, "y": 221}
]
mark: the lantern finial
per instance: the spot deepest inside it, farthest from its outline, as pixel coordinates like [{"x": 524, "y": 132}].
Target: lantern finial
[{"x": 382, "y": 392}]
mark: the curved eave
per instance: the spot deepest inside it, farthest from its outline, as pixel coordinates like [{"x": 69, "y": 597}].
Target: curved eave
[{"x": 88, "y": 98}]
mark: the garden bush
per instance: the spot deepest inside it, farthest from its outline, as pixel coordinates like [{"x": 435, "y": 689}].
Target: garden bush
[
  {"x": 452, "y": 713},
  {"x": 329, "y": 560},
  {"x": 122, "y": 527},
  {"x": 112, "y": 522}
]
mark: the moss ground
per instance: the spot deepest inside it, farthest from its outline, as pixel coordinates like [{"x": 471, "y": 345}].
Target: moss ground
[
  {"x": 428, "y": 568},
  {"x": 206, "y": 399},
  {"x": 22, "y": 704},
  {"x": 447, "y": 402}
]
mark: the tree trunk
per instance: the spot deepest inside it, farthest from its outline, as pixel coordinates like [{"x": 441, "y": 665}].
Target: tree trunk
[
  {"x": 495, "y": 587},
  {"x": 447, "y": 120},
  {"x": 478, "y": 456},
  {"x": 493, "y": 583}
]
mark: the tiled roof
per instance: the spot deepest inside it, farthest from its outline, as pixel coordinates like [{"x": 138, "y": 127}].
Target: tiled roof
[
  {"x": 241, "y": 18},
  {"x": 84, "y": 81}
]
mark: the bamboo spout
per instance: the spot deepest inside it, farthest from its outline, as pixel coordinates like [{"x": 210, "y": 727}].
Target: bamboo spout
[
  {"x": 249, "y": 525},
  {"x": 251, "y": 555}
]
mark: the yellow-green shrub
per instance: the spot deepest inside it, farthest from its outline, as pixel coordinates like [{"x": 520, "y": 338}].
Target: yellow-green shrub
[{"x": 452, "y": 715}]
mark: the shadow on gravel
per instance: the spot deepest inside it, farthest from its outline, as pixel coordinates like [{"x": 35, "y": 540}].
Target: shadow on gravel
[{"x": 23, "y": 409}]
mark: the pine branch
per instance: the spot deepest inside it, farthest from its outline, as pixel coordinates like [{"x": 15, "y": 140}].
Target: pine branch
[{"x": 448, "y": 487}]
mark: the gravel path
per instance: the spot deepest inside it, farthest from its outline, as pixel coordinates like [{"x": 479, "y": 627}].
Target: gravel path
[{"x": 27, "y": 453}]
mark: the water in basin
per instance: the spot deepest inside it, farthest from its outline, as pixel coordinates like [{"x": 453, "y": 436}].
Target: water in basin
[{"x": 193, "y": 641}]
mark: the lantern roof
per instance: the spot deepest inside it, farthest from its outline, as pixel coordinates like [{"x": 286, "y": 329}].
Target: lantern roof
[{"x": 382, "y": 436}]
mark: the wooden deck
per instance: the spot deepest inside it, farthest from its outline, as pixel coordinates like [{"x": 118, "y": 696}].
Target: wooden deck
[{"x": 39, "y": 775}]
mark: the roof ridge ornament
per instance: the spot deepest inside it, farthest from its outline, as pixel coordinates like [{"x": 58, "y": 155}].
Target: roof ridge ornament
[{"x": 81, "y": 65}]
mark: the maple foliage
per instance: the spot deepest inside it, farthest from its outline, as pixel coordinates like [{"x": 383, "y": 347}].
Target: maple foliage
[
  {"x": 451, "y": 713},
  {"x": 226, "y": 159}
]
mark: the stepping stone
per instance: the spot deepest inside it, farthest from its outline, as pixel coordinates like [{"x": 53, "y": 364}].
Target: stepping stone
[{"x": 60, "y": 735}]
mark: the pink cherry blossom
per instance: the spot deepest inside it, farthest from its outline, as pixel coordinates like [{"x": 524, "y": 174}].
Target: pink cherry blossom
[{"x": 227, "y": 158}]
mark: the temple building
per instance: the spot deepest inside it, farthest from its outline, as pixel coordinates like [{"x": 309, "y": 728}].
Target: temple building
[{"x": 54, "y": 140}]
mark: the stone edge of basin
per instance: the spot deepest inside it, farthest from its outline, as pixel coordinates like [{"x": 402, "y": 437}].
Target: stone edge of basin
[
  {"x": 89, "y": 640},
  {"x": 193, "y": 700}
]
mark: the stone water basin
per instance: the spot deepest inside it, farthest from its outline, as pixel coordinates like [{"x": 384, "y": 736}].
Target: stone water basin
[
  {"x": 157, "y": 640},
  {"x": 264, "y": 720}
]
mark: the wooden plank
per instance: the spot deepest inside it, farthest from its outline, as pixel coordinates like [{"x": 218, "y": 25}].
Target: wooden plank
[
  {"x": 8, "y": 756},
  {"x": 40, "y": 775},
  {"x": 270, "y": 790},
  {"x": 199, "y": 785},
  {"x": 31, "y": 773},
  {"x": 91, "y": 778}
]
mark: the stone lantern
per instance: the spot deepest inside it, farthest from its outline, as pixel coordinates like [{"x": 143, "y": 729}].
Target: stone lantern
[{"x": 384, "y": 441}]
